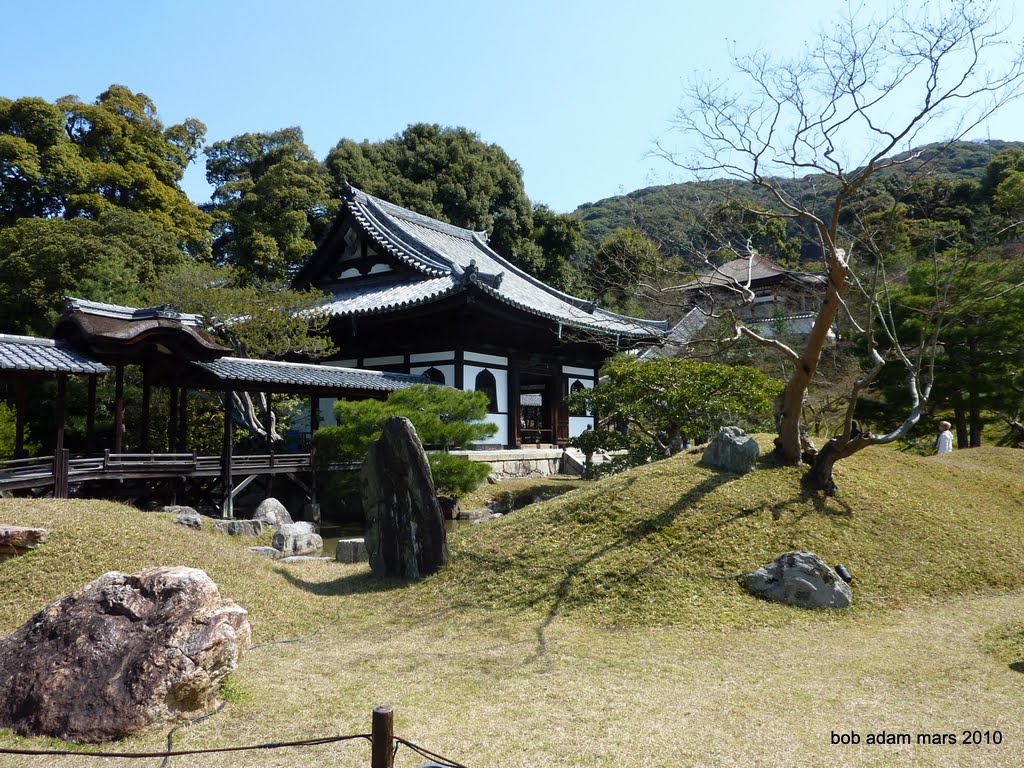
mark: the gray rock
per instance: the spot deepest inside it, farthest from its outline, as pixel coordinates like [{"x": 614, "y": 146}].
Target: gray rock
[
  {"x": 493, "y": 479},
  {"x": 17, "y": 540},
  {"x": 802, "y": 579},
  {"x": 474, "y": 514},
  {"x": 174, "y": 509},
  {"x": 119, "y": 655},
  {"x": 273, "y": 513},
  {"x": 268, "y": 552},
  {"x": 297, "y": 539},
  {"x": 188, "y": 518},
  {"x": 405, "y": 535},
  {"x": 306, "y": 559},
  {"x": 239, "y": 527},
  {"x": 351, "y": 551},
  {"x": 732, "y": 450}
]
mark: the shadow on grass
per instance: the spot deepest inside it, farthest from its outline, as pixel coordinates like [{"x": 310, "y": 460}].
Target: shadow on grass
[
  {"x": 823, "y": 505},
  {"x": 1018, "y": 666},
  {"x": 350, "y": 584},
  {"x": 632, "y": 536}
]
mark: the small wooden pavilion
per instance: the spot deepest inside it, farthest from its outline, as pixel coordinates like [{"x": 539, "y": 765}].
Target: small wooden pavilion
[{"x": 173, "y": 352}]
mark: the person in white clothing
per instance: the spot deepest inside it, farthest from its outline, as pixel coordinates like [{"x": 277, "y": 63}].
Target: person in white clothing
[{"x": 944, "y": 442}]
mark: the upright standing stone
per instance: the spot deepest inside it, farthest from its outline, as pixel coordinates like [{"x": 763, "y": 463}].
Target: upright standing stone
[{"x": 405, "y": 534}]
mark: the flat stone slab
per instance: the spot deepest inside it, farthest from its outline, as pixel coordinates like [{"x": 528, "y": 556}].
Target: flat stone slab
[
  {"x": 17, "y": 540},
  {"x": 268, "y": 552},
  {"x": 306, "y": 559}
]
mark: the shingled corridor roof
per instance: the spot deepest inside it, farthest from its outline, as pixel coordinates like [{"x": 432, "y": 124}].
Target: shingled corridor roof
[
  {"x": 452, "y": 259},
  {"x": 246, "y": 372},
  {"x": 28, "y": 353}
]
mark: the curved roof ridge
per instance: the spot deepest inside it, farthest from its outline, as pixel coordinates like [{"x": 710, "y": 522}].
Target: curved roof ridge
[{"x": 369, "y": 212}]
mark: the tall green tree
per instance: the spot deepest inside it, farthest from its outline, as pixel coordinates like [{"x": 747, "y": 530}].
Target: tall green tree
[
  {"x": 111, "y": 259},
  {"x": 624, "y": 260},
  {"x": 271, "y": 202},
  {"x": 671, "y": 398},
  {"x": 449, "y": 174},
  {"x": 72, "y": 159}
]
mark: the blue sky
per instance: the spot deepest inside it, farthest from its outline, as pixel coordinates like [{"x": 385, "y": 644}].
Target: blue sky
[{"x": 574, "y": 91}]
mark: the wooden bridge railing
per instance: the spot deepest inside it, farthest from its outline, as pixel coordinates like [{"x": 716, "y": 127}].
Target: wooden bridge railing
[{"x": 20, "y": 474}]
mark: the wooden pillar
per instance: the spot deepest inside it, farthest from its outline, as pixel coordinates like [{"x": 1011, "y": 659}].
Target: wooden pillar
[
  {"x": 314, "y": 414},
  {"x": 60, "y": 416},
  {"x": 460, "y": 365},
  {"x": 172, "y": 420},
  {"x": 90, "y": 417},
  {"x": 20, "y": 408},
  {"x": 514, "y": 405},
  {"x": 119, "y": 409},
  {"x": 227, "y": 504},
  {"x": 182, "y": 436},
  {"x": 146, "y": 402}
]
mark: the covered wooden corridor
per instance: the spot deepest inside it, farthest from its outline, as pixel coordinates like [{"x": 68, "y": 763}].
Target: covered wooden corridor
[{"x": 173, "y": 352}]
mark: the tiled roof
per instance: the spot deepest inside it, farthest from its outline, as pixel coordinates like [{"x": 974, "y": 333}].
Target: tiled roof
[
  {"x": 246, "y": 371},
  {"x": 28, "y": 353},
  {"x": 453, "y": 259},
  {"x": 119, "y": 312},
  {"x": 757, "y": 268},
  {"x": 679, "y": 335},
  {"x": 387, "y": 292}
]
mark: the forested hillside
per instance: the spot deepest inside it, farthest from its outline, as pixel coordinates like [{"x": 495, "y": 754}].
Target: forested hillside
[{"x": 674, "y": 213}]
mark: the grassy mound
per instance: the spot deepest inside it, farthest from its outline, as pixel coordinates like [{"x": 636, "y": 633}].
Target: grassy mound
[
  {"x": 658, "y": 545},
  {"x": 90, "y": 538}
]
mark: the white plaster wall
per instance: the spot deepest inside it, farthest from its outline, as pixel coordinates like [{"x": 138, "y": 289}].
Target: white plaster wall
[
  {"x": 469, "y": 374},
  {"x": 579, "y": 424},
  {"x": 501, "y": 436},
  {"x": 447, "y": 370}
]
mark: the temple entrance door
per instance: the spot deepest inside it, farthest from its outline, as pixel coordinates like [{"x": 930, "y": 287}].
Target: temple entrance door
[{"x": 535, "y": 422}]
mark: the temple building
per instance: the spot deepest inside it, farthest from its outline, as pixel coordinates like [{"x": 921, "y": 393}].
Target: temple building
[{"x": 414, "y": 295}]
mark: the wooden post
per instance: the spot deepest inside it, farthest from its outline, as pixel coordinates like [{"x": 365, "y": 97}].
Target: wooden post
[
  {"x": 119, "y": 409},
  {"x": 172, "y": 419},
  {"x": 382, "y": 738},
  {"x": 314, "y": 414},
  {"x": 62, "y": 461},
  {"x": 20, "y": 407},
  {"x": 90, "y": 417},
  {"x": 182, "y": 438},
  {"x": 227, "y": 505},
  {"x": 146, "y": 399},
  {"x": 61, "y": 414},
  {"x": 514, "y": 406}
]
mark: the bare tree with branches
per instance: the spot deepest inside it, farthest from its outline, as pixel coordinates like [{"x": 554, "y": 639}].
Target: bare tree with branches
[{"x": 871, "y": 85}]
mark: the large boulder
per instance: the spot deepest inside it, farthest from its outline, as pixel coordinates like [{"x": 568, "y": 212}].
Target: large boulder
[
  {"x": 119, "y": 655},
  {"x": 297, "y": 539},
  {"x": 732, "y": 450},
  {"x": 17, "y": 540},
  {"x": 802, "y": 579},
  {"x": 273, "y": 513},
  {"x": 405, "y": 534}
]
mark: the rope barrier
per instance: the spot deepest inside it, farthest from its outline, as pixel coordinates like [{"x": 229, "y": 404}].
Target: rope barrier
[{"x": 185, "y": 752}]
